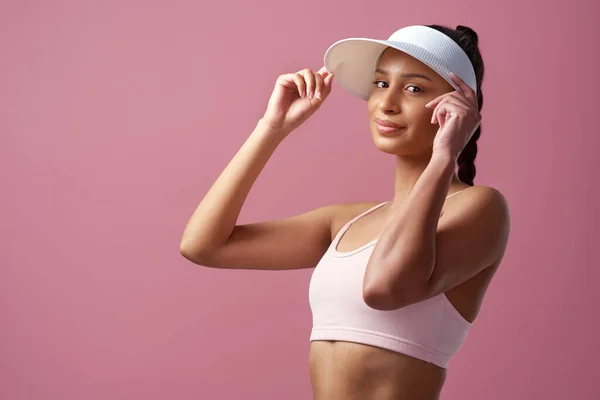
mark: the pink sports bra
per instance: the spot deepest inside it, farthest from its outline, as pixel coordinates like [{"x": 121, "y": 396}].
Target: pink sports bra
[{"x": 431, "y": 330}]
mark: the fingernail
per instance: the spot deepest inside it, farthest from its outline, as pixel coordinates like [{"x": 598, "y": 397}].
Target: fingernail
[{"x": 318, "y": 95}]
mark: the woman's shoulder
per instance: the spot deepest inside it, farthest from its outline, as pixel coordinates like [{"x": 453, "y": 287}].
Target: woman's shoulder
[
  {"x": 483, "y": 192},
  {"x": 481, "y": 199}
]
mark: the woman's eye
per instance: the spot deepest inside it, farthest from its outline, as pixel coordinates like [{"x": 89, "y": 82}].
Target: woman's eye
[
  {"x": 379, "y": 83},
  {"x": 383, "y": 84}
]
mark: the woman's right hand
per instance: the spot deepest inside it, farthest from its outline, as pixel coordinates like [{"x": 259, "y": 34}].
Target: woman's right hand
[{"x": 296, "y": 97}]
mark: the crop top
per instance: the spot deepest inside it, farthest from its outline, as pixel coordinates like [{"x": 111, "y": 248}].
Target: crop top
[{"x": 431, "y": 330}]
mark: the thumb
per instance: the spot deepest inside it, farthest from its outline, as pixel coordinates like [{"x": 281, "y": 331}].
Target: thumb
[
  {"x": 328, "y": 80},
  {"x": 327, "y": 85},
  {"x": 324, "y": 73}
]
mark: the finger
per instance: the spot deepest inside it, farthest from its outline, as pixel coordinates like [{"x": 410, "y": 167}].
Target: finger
[
  {"x": 461, "y": 99},
  {"x": 287, "y": 80},
  {"x": 323, "y": 72},
  {"x": 466, "y": 89},
  {"x": 435, "y": 116},
  {"x": 453, "y": 97},
  {"x": 327, "y": 84},
  {"x": 300, "y": 84},
  {"x": 458, "y": 102},
  {"x": 449, "y": 104},
  {"x": 318, "y": 86},
  {"x": 444, "y": 116},
  {"x": 329, "y": 80},
  {"x": 433, "y": 103},
  {"x": 457, "y": 94},
  {"x": 438, "y": 116},
  {"x": 309, "y": 78}
]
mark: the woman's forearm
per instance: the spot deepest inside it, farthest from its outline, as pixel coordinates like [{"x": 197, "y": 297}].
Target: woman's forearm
[
  {"x": 214, "y": 219},
  {"x": 404, "y": 257}
]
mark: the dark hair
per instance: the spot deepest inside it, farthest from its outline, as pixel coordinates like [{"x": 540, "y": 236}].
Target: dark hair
[{"x": 467, "y": 39}]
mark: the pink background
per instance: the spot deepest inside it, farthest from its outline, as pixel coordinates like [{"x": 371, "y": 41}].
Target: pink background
[{"x": 117, "y": 116}]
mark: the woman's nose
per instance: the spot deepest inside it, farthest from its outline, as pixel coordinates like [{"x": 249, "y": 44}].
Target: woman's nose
[{"x": 390, "y": 103}]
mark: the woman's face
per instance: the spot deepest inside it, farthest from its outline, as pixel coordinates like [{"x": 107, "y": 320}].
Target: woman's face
[{"x": 402, "y": 86}]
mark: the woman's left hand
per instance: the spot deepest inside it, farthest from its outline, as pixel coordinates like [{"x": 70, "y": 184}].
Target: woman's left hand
[{"x": 458, "y": 116}]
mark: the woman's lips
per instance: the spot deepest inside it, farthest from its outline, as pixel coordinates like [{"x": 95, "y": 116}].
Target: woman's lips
[{"x": 385, "y": 126}]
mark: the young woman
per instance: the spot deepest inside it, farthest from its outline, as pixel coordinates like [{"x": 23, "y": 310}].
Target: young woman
[{"x": 396, "y": 285}]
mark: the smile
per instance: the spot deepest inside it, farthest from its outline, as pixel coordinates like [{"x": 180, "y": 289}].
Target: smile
[{"x": 388, "y": 128}]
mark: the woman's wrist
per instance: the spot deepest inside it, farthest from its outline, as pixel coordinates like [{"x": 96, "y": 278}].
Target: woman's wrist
[
  {"x": 269, "y": 131},
  {"x": 443, "y": 159}
]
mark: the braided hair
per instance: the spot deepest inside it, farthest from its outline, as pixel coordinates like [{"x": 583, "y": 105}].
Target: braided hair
[{"x": 467, "y": 39}]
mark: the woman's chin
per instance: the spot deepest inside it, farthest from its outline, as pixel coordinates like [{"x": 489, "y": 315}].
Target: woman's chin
[
  {"x": 391, "y": 148},
  {"x": 389, "y": 143},
  {"x": 400, "y": 147}
]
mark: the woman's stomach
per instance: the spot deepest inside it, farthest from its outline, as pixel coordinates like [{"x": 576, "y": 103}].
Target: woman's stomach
[{"x": 356, "y": 371}]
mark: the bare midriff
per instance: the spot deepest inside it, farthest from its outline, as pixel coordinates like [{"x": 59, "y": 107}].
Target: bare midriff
[{"x": 352, "y": 371}]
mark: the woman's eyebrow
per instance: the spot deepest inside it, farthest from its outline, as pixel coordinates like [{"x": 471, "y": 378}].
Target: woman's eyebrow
[{"x": 407, "y": 75}]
